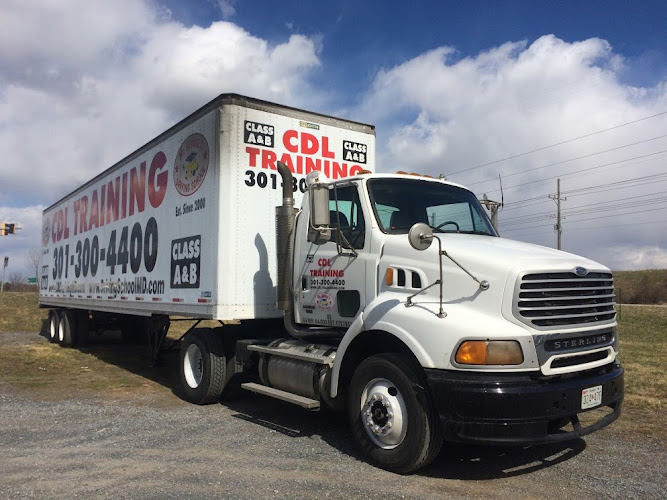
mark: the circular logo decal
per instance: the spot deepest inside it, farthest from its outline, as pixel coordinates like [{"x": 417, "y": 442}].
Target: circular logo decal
[
  {"x": 46, "y": 231},
  {"x": 324, "y": 301},
  {"x": 191, "y": 164}
]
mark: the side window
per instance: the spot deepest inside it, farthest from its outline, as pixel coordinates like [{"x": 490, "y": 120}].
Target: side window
[{"x": 347, "y": 216}]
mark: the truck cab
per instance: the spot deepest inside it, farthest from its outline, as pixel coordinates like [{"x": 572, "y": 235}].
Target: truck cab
[{"x": 445, "y": 329}]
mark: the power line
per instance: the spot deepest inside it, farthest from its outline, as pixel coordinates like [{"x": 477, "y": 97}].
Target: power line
[
  {"x": 644, "y": 180},
  {"x": 588, "y": 218},
  {"x": 591, "y": 208},
  {"x": 571, "y": 159},
  {"x": 614, "y": 204},
  {"x": 559, "y": 143},
  {"x": 582, "y": 170},
  {"x": 525, "y": 204},
  {"x": 519, "y": 228},
  {"x": 599, "y": 188},
  {"x": 617, "y": 225}
]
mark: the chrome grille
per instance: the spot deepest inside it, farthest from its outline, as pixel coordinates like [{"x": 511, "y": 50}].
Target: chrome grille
[{"x": 551, "y": 300}]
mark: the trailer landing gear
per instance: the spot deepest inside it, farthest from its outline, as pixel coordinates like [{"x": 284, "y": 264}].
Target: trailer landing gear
[{"x": 156, "y": 331}]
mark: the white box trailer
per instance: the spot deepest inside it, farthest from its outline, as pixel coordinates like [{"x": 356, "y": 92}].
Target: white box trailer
[
  {"x": 475, "y": 339},
  {"x": 184, "y": 225}
]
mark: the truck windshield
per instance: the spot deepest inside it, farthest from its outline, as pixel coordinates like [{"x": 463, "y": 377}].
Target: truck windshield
[{"x": 400, "y": 203}]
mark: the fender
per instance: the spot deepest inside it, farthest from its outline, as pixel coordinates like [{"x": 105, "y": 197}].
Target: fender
[{"x": 375, "y": 317}]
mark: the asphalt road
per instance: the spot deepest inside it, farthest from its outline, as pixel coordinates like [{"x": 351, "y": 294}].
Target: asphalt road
[{"x": 157, "y": 446}]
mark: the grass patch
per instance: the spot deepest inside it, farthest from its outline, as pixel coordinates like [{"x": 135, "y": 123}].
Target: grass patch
[
  {"x": 106, "y": 368},
  {"x": 19, "y": 312},
  {"x": 110, "y": 369},
  {"x": 643, "y": 349}
]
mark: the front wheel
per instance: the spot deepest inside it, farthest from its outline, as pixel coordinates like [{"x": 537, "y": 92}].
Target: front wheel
[{"x": 391, "y": 414}]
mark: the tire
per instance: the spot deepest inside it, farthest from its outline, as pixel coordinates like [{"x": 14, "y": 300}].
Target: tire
[
  {"x": 391, "y": 414},
  {"x": 202, "y": 367},
  {"x": 53, "y": 325},
  {"x": 66, "y": 328}
]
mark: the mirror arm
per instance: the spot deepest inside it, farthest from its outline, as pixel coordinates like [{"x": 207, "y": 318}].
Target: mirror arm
[
  {"x": 339, "y": 235},
  {"x": 484, "y": 285},
  {"x": 409, "y": 303}
]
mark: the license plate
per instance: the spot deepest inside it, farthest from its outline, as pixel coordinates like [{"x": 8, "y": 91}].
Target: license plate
[{"x": 591, "y": 397}]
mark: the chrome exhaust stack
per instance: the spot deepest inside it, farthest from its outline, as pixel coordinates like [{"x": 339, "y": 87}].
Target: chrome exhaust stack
[
  {"x": 285, "y": 215},
  {"x": 284, "y": 226}
]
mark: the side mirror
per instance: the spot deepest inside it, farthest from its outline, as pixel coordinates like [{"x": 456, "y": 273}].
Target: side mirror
[
  {"x": 420, "y": 236},
  {"x": 319, "y": 230}
]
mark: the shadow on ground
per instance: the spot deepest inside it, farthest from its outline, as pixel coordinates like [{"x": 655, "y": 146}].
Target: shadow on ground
[{"x": 455, "y": 461}]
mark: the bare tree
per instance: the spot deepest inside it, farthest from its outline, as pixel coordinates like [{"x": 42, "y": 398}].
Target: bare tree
[
  {"x": 32, "y": 260},
  {"x": 17, "y": 278}
]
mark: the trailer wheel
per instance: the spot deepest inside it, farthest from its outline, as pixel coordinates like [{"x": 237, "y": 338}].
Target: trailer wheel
[
  {"x": 391, "y": 414},
  {"x": 66, "y": 327},
  {"x": 202, "y": 366},
  {"x": 53, "y": 325}
]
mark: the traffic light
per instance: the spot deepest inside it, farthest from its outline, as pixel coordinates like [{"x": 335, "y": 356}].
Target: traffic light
[{"x": 7, "y": 228}]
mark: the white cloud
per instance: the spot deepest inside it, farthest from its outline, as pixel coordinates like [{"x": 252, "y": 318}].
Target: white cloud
[
  {"x": 182, "y": 66},
  {"x": 227, "y": 8},
  {"x": 52, "y": 44},
  {"x": 633, "y": 257},
  {"x": 85, "y": 83},
  {"x": 439, "y": 113}
]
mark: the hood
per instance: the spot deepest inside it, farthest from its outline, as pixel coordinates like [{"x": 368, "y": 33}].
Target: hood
[
  {"x": 498, "y": 260},
  {"x": 511, "y": 255}
]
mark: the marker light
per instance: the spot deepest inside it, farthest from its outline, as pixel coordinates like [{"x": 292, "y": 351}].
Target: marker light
[
  {"x": 389, "y": 277},
  {"x": 489, "y": 352}
]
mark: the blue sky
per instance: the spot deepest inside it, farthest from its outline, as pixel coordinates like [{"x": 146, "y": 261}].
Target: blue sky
[
  {"x": 364, "y": 36},
  {"x": 459, "y": 88}
]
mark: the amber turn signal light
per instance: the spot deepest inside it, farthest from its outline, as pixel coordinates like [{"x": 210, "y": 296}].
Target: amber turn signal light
[{"x": 489, "y": 352}]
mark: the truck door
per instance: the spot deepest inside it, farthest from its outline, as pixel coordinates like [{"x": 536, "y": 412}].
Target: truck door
[{"x": 333, "y": 275}]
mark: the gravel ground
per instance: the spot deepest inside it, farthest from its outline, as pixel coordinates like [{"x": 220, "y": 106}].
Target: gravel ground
[{"x": 160, "y": 447}]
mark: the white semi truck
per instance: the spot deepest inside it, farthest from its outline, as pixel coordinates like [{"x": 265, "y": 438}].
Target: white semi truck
[{"x": 388, "y": 296}]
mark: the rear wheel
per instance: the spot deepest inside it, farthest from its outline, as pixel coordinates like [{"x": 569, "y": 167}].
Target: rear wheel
[
  {"x": 53, "y": 325},
  {"x": 202, "y": 367},
  {"x": 391, "y": 414},
  {"x": 66, "y": 328}
]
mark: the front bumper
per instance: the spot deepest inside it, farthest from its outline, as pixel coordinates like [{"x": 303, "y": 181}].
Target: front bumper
[{"x": 519, "y": 409}]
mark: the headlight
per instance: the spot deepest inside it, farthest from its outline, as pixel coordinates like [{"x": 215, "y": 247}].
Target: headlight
[{"x": 489, "y": 352}]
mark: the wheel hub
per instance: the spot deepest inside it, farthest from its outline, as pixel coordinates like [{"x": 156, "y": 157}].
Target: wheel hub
[
  {"x": 384, "y": 413},
  {"x": 193, "y": 366}
]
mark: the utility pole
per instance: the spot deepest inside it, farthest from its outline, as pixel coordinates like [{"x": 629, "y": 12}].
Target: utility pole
[
  {"x": 4, "y": 268},
  {"x": 559, "y": 226},
  {"x": 494, "y": 208}
]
